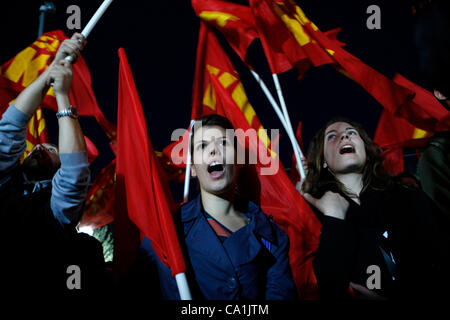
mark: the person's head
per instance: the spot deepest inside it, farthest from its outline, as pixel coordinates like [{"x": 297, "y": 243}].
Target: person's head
[
  {"x": 213, "y": 148},
  {"x": 42, "y": 162},
  {"x": 342, "y": 147}
]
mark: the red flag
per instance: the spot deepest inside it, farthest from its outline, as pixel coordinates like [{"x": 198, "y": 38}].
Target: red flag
[
  {"x": 217, "y": 89},
  {"x": 241, "y": 26},
  {"x": 284, "y": 49},
  {"x": 397, "y": 99},
  {"x": 148, "y": 199},
  {"x": 394, "y": 133},
  {"x": 434, "y": 113}
]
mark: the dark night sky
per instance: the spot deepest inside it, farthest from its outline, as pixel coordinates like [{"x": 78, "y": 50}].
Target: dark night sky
[{"x": 160, "y": 39}]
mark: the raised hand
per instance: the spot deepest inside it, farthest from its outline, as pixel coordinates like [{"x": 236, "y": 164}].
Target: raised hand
[
  {"x": 62, "y": 74},
  {"x": 331, "y": 204},
  {"x": 71, "y": 47}
]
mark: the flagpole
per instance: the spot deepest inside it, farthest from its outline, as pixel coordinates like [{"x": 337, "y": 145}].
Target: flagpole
[
  {"x": 95, "y": 18},
  {"x": 298, "y": 154},
  {"x": 294, "y": 142},
  {"x": 97, "y": 15},
  {"x": 183, "y": 287},
  {"x": 187, "y": 175}
]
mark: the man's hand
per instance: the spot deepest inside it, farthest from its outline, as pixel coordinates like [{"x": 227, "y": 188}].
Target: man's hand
[
  {"x": 71, "y": 47},
  {"x": 331, "y": 204},
  {"x": 62, "y": 75}
]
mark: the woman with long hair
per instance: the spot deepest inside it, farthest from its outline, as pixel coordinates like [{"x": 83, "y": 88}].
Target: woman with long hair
[{"x": 381, "y": 237}]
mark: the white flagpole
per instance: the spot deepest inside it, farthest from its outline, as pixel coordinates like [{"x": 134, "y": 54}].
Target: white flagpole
[
  {"x": 180, "y": 278},
  {"x": 91, "y": 24},
  {"x": 283, "y": 120},
  {"x": 183, "y": 287},
  {"x": 298, "y": 154},
  {"x": 187, "y": 176},
  {"x": 97, "y": 15}
]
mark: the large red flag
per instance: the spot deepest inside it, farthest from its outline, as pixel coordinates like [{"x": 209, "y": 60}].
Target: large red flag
[
  {"x": 218, "y": 89},
  {"x": 396, "y": 98},
  {"x": 139, "y": 175},
  {"x": 241, "y": 26}
]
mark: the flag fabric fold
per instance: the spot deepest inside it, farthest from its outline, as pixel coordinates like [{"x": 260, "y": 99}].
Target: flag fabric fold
[
  {"x": 100, "y": 199},
  {"x": 235, "y": 21}
]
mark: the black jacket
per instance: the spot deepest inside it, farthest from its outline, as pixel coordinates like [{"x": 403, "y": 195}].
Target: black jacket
[{"x": 412, "y": 259}]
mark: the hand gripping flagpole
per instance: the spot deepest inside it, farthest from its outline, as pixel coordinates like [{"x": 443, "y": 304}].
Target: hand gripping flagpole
[
  {"x": 187, "y": 176},
  {"x": 91, "y": 24},
  {"x": 284, "y": 121}
]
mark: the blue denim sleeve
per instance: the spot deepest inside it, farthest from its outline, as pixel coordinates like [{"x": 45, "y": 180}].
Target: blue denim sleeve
[
  {"x": 12, "y": 140},
  {"x": 69, "y": 188}
]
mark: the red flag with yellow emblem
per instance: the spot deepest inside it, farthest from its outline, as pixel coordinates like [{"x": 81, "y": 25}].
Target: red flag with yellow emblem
[
  {"x": 241, "y": 26},
  {"x": 27, "y": 65},
  {"x": 397, "y": 98},
  {"x": 235, "y": 21},
  {"x": 285, "y": 49}
]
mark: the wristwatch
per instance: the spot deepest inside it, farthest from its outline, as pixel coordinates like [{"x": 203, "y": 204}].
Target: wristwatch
[{"x": 69, "y": 112}]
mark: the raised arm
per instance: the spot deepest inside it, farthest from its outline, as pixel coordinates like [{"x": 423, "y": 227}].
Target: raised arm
[
  {"x": 31, "y": 97},
  {"x": 14, "y": 121},
  {"x": 71, "y": 182}
]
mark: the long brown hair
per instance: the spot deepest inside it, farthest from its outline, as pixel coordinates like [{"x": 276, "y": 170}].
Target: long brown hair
[{"x": 320, "y": 179}]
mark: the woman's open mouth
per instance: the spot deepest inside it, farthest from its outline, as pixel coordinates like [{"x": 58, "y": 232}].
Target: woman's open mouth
[{"x": 216, "y": 170}]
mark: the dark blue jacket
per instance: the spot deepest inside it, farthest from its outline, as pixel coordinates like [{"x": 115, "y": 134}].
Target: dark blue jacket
[{"x": 251, "y": 264}]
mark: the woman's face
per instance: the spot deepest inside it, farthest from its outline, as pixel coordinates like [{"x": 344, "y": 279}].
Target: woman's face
[
  {"x": 344, "y": 150},
  {"x": 214, "y": 159}
]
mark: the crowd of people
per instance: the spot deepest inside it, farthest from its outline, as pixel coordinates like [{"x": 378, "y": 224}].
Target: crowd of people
[{"x": 382, "y": 236}]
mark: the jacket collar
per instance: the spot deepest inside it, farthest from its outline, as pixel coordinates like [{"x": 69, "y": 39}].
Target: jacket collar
[{"x": 262, "y": 226}]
